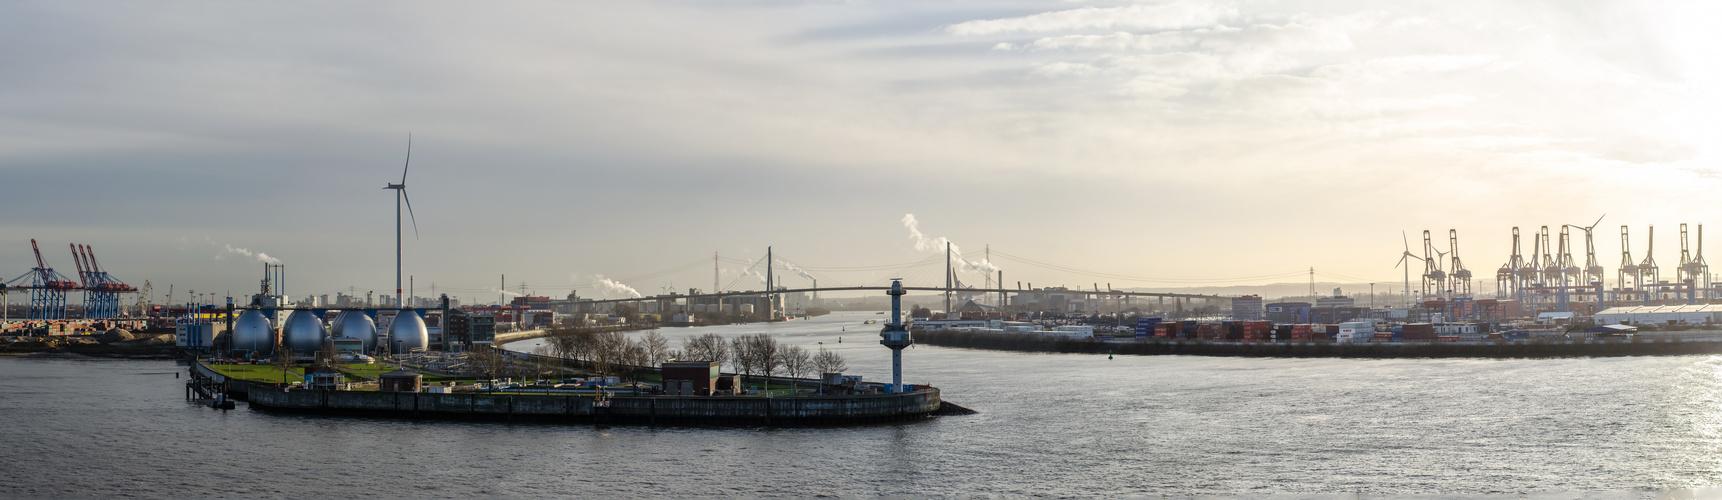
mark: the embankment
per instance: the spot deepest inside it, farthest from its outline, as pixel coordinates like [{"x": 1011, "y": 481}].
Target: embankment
[
  {"x": 1482, "y": 349},
  {"x": 649, "y": 410}
]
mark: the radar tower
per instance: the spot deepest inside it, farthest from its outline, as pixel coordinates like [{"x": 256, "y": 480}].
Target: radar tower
[{"x": 895, "y": 335}]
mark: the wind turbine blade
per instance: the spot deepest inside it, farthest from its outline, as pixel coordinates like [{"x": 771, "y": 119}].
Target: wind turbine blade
[
  {"x": 415, "y": 218},
  {"x": 409, "y": 159},
  {"x": 1598, "y": 221},
  {"x": 1407, "y": 242}
]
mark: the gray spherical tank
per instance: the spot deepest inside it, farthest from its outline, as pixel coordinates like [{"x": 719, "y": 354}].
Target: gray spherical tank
[
  {"x": 303, "y": 333},
  {"x": 335, "y": 326},
  {"x": 407, "y": 332},
  {"x": 252, "y": 332},
  {"x": 355, "y": 325}
]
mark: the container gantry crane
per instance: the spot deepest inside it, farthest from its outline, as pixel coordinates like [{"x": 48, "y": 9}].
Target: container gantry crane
[
  {"x": 1461, "y": 277},
  {"x": 1520, "y": 272},
  {"x": 47, "y": 288},
  {"x": 1593, "y": 270},
  {"x": 1693, "y": 272},
  {"x": 101, "y": 290},
  {"x": 1433, "y": 277},
  {"x": 1649, "y": 276},
  {"x": 1628, "y": 279},
  {"x": 1568, "y": 270}
]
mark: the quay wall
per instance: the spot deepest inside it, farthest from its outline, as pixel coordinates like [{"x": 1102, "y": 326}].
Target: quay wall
[
  {"x": 667, "y": 410},
  {"x": 1479, "y": 349}
]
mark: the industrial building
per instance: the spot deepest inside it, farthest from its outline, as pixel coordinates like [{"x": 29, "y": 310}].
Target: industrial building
[
  {"x": 690, "y": 378},
  {"x": 1698, "y": 314},
  {"x": 1248, "y": 308}
]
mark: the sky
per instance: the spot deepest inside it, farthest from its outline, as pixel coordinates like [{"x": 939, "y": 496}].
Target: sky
[{"x": 611, "y": 148}]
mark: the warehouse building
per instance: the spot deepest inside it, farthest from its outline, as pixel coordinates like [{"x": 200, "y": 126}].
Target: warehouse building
[{"x": 1694, "y": 314}]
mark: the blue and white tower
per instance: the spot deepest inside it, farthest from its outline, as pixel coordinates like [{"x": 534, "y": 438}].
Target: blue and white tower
[{"x": 895, "y": 336}]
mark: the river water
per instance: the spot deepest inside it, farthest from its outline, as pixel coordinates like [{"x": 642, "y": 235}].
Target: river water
[{"x": 1049, "y": 425}]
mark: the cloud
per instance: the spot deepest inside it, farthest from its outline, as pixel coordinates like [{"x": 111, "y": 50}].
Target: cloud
[
  {"x": 1138, "y": 17},
  {"x": 1386, "y": 69}
]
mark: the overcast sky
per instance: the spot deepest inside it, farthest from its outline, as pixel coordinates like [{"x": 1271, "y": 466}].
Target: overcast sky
[{"x": 1158, "y": 143}]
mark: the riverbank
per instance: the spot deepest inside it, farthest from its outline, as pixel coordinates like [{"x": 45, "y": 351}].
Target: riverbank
[
  {"x": 88, "y": 346},
  {"x": 1481, "y": 349}
]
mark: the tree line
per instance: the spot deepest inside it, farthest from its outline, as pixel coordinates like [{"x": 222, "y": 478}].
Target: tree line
[{"x": 614, "y": 353}]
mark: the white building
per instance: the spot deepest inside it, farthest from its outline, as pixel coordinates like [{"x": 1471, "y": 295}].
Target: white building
[{"x": 1697, "y": 314}]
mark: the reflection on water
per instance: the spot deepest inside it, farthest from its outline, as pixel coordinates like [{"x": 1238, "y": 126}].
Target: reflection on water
[{"x": 1057, "y": 425}]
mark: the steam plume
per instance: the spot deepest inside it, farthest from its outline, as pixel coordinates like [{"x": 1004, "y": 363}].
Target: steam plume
[
  {"x": 259, "y": 256},
  {"x": 925, "y": 244},
  {"x": 608, "y": 287},
  {"x": 798, "y": 271}
]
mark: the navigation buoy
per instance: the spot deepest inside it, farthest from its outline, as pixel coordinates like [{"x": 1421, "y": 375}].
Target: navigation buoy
[{"x": 1108, "y": 354}]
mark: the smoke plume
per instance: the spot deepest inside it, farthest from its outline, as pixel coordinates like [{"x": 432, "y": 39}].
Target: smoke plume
[
  {"x": 609, "y": 288},
  {"x": 798, "y": 271},
  {"x": 925, "y": 244},
  {"x": 259, "y": 256}
]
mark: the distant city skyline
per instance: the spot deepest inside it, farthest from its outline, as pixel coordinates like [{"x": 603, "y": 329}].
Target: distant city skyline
[{"x": 603, "y": 148}]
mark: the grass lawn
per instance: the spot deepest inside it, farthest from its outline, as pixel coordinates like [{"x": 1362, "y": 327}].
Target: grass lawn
[
  {"x": 257, "y": 373},
  {"x": 369, "y": 371}
]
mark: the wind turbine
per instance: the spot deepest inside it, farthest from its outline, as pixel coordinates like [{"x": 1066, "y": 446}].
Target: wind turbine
[
  {"x": 400, "y": 196},
  {"x": 1593, "y": 269},
  {"x": 1407, "y": 255}
]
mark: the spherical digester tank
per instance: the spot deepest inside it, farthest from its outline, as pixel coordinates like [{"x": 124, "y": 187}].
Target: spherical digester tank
[
  {"x": 335, "y": 326},
  {"x": 407, "y": 332},
  {"x": 252, "y": 332},
  {"x": 355, "y": 325},
  {"x": 303, "y": 333}
]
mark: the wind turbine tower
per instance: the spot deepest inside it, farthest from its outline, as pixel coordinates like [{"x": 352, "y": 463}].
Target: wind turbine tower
[
  {"x": 401, "y": 196},
  {"x": 1405, "y": 261}
]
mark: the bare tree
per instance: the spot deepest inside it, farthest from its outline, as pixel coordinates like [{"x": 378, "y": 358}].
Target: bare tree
[
  {"x": 608, "y": 350},
  {"x": 561, "y": 344},
  {"x": 326, "y": 354},
  {"x": 796, "y": 362},
  {"x": 765, "y": 354},
  {"x": 657, "y": 348},
  {"x": 635, "y": 357},
  {"x": 708, "y": 347},
  {"x": 486, "y": 361},
  {"x": 583, "y": 346},
  {"x": 828, "y": 362},
  {"x": 741, "y": 356}
]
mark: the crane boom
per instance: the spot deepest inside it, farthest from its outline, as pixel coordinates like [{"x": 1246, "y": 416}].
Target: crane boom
[
  {"x": 40, "y": 266},
  {"x": 83, "y": 275}
]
